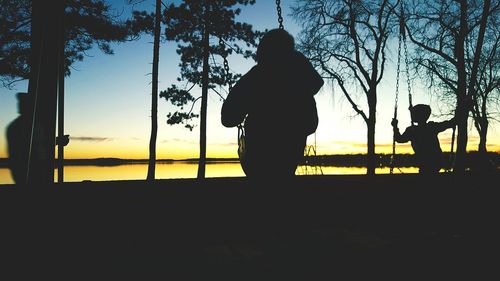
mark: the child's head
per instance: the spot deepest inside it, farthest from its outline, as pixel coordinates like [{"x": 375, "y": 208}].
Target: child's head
[
  {"x": 275, "y": 43},
  {"x": 420, "y": 113}
]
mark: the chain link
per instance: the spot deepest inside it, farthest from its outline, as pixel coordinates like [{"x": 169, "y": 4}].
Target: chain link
[
  {"x": 398, "y": 71},
  {"x": 227, "y": 74},
  {"x": 226, "y": 64},
  {"x": 280, "y": 17},
  {"x": 402, "y": 39},
  {"x": 408, "y": 81}
]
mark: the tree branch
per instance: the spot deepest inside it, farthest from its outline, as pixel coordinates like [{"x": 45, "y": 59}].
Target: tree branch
[
  {"x": 192, "y": 105},
  {"x": 430, "y": 49},
  {"x": 344, "y": 90},
  {"x": 450, "y": 83}
]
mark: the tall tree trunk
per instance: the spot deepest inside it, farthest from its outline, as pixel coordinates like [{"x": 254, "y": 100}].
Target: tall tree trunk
[
  {"x": 60, "y": 107},
  {"x": 485, "y": 164},
  {"x": 372, "y": 108},
  {"x": 204, "y": 96},
  {"x": 43, "y": 86},
  {"x": 462, "y": 103},
  {"x": 483, "y": 133},
  {"x": 370, "y": 164},
  {"x": 154, "y": 95},
  {"x": 473, "y": 88}
]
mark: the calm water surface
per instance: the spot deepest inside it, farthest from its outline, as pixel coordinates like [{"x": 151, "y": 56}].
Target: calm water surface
[{"x": 185, "y": 170}]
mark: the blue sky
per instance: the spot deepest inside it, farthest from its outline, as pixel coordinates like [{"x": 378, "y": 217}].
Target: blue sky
[{"x": 108, "y": 102}]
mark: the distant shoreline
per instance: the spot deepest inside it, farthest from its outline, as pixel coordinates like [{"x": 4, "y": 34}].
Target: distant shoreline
[
  {"x": 339, "y": 160},
  {"x": 121, "y": 161}
]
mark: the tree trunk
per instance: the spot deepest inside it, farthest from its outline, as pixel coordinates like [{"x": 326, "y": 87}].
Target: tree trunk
[
  {"x": 372, "y": 108},
  {"x": 483, "y": 133},
  {"x": 43, "y": 86},
  {"x": 485, "y": 164},
  {"x": 204, "y": 96},
  {"x": 154, "y": 95},
  {"x": 60, "y": 108},
  {"x": 370, "y": 164},
  {"x": 462, "y": 103},
  {"x": 483, "y": 121}
]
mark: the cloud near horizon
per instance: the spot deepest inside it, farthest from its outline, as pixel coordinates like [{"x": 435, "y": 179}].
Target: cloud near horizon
[
  {"x": 363, "y": 144},
  {"x": 225, "y": 144},
  {"x": 90, "y": 139}
]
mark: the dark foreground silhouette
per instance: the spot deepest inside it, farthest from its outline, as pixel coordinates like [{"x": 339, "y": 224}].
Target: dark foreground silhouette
[
  {"x": 424, "y": 138},
  {"x": 18, "y": 138},
  {"x": 275, "y": 99},
  {"x": 320, "y": 228}
]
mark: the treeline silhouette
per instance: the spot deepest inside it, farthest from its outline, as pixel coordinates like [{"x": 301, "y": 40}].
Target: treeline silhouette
[
  {"x": 338, "y": 160},
  {"x": 384, "y": 160},
  {"x": 121, "y": 161}
]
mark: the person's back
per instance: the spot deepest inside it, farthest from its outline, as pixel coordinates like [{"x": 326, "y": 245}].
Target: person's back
[
  {"x": 18, "y": 138},
  {"x": 424, "y": 138},
  {"x": 277, "y": 99}
]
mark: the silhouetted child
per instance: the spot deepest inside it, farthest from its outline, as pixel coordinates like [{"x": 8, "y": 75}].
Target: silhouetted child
[
  {"x": 18, "y": 138},
  {"x": 276, "y": 101},
  {"x": 424, "y": 138}
]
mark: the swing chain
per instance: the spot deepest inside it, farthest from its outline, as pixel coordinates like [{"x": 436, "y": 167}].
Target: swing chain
[
  {"x": 402, "y": 34},
  {"x": 402, "y": 22},
  {"x": 280, "y": 17},
  {"x": 226, "y": 64},
  {"x": 402, "y": 40},
  {"x": 408, "y": 73},
  {"x": 398, "y": 70},
  {"x": 398, "y": 73},
  {"x": 241, "y": 129}
]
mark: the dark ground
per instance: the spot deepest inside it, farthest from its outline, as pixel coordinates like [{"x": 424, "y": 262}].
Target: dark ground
[{"x": 316, "y": 228}]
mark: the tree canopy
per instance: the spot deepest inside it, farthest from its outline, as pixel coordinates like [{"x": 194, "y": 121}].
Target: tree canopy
[
  {"x": 456, "y": 48},
  {"x": 88, "y": 23},
  {"x": 186, "y": 25},
  {"x": 346, "y": 40}
]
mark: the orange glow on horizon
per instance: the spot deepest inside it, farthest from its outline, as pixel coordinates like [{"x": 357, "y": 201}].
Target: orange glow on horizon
[
  {"x": 177, "y": 170},
  {"x": 115, "y": 149}
]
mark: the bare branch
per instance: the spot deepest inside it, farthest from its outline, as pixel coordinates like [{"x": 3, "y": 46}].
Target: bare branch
[
  {"x": 340, "y": 82},
  {"x": 192, "y": 105},
  {"x": 430, "y": 49}
]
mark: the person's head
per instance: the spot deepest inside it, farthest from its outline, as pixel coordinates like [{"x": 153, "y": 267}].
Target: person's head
[
  {"x": 420, "y": 113},
  {"x": 24, "y": 103},
  {"x": 274, "y": 44}
]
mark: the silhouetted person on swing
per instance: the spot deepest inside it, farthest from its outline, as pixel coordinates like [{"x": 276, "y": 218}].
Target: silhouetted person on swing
[
  {"x": 275, "y": 99},
  {"x": 18, "y": 138},
  {"x": 424, "y": 138}
]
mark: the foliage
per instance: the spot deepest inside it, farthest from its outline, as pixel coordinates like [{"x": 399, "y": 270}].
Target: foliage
[
  {"x": 186, "y": 24},
  {"x": 457, "y": 43},
  {"x": 347, "y": 40},
  {"x": 434, "y": 26},
  {"x": 88, "y": 23}
]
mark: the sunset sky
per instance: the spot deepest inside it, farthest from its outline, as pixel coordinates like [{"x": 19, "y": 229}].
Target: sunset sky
[{"x": 108, "y": 100}]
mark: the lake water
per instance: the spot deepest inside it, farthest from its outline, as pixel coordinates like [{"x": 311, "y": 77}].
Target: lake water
[{"x": 76, "y": 173}]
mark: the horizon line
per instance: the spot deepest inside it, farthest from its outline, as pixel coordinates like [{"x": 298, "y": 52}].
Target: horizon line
[{"x": 236, "y": 158}]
